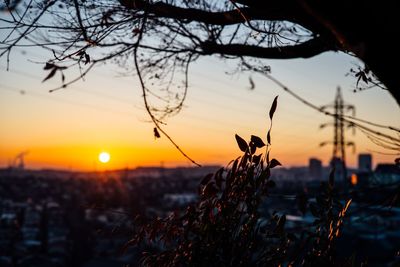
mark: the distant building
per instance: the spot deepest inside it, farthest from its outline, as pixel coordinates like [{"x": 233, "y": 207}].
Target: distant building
[
  {"x": 315, "y": 169},
  {"x": 364, "y": 162},
  {"x": 387, "y": 173},
  {"x": 340, "y": 169}
]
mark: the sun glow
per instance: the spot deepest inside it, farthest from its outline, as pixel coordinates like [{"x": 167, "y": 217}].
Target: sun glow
[{"x": 104, "y": 157}]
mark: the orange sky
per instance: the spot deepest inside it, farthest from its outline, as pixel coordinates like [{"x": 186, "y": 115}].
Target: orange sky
[{"x": 69, "y": 128}]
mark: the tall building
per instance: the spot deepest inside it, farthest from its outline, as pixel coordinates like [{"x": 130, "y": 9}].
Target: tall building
[
  {"x": 340, "y": 170},
  {"x": 364, "y": 162},
  {"x": 315, "y": 169}
]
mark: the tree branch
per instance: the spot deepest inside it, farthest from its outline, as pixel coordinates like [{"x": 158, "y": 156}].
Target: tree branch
[
  {"x": 275, "y": 11},
  {"x": 307, "y": 49}
]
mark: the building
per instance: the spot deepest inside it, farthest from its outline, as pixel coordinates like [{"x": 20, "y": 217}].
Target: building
[
  {"x": 387, "y": 174},
  {"x": 340, "y": 170},
  {"x": 364, "y": 162},
  {"x": 315, "y": 169}
]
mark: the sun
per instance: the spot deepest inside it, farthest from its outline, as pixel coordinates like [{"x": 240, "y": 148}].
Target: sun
[{"x": 104, "y": 157}]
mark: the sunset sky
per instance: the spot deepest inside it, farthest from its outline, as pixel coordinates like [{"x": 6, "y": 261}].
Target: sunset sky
[{"x": 68, "y": 129}]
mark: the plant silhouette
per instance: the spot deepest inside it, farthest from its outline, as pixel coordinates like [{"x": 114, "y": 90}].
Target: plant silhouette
[{"x": 225, "y": 227}]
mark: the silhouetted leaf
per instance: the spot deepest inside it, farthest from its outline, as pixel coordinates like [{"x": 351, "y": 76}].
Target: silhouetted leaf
[
  {"x": 281, "y": 223},
  {"x": 273, "y": 107},
  {"x": 207, "y": 178},
  {"x": 48, "y": 66},
  {"x": 81, "y": 53},
  {"x": 256, "y": 159},
  {"x": 274, "y": 163},
  {"x": 62, "y": 78},
  {"x": 347, "y": 205},
  {"x": 257, "y": 141},
  {"x": 252, "y": 148},
  {"x": 210, "y": 190},
  {"x": 218, "y": 177},
  {"x": 87, "y": 58},
  {"x": 252, "y": 84},
  {"x": 50, "y": 75},
  {"x": 265, "y": 174},
  {"x": 156, "y": 133},
  {"x": 244, "y": 160},
  {"x": 234, "y": 167},
  {"x": 269, "y": 136},
  {"x": 241, "y": 143}
]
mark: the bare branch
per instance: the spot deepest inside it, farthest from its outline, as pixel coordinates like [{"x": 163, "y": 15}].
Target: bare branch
[{"x": 307, "y": 49}]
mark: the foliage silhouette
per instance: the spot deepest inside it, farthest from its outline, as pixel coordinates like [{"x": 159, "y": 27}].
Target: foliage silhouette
[{"x": 225, "y": 227}]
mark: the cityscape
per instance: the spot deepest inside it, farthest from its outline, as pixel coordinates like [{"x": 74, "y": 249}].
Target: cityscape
[{"x": 61, "y": 218}]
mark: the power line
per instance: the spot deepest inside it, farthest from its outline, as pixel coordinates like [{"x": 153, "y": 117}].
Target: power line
[
  {"x": 199, "y": 100},
  {"x": 47, "y": 97},
  {"x": 74, "y": 88}
]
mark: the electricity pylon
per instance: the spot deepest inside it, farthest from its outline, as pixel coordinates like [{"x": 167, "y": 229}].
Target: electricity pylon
[{"x": 339, "y": 143}]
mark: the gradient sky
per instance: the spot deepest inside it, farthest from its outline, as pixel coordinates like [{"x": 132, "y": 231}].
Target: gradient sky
[{"x": 67, "y": 129}]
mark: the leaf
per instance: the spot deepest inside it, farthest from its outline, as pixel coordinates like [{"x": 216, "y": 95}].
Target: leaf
[
  {"x": 273, "y": 107},
  {"x": 218, "y": 177},
  {"x": 87, "y": 58},
  {"x": 81, "y": 53},
  {"x": 207, "y": 178},
  {"x": 269, "y": 136},
  {"x": 210, "y": 190},
  {"x": 241, "y": 143},
  {"x": 62, "y": 77},
  {"x": 347, "y": 205},
  {"x": 265, "y": 174},
  {"x": 234, "y": 167},
  {"x": 156, "y": 133},
  {"x": 48, "y": 66},
  {"x": 358, "y": 80},
  {"x": 252, "y": 148},
  {"x": 274, "y": 163},
  {"x": 51, "y": 74},
  {"x": 252, "y": 84},
  {"x": 244, "y": 160},
  {"x": 257, "y": 141},
  {"x": 256, "y": 159},
  {"x": 364, "y": 78},
  {"x": 281, "y": 223}
]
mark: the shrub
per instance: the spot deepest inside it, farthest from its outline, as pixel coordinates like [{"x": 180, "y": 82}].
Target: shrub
[{"x": 225, "y": 227}]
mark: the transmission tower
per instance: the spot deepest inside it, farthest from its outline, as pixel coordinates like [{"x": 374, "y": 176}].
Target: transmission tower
[
  {"x": 18, "y": 162},
  {"x": 339, "y": 143}
]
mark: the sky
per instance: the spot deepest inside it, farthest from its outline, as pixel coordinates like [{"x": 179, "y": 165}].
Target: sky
[{"x": 67, "y": 129}]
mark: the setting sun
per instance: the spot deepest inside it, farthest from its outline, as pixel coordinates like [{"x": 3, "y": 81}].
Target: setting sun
[{"x": 104, "y": 157}]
